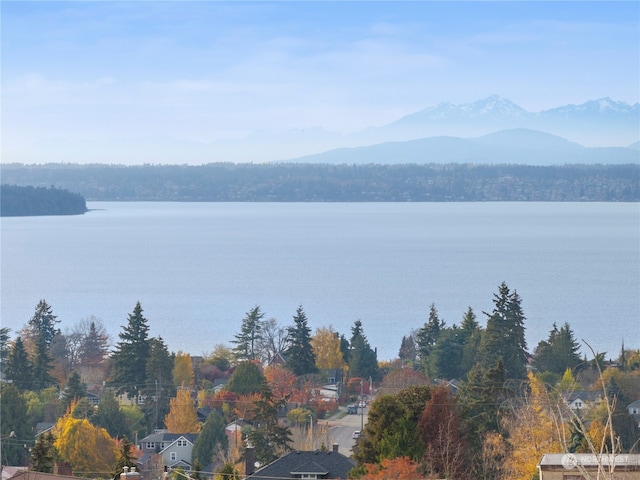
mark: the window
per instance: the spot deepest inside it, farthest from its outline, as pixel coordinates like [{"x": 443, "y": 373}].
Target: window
[
  {"x": 182, "y": 443},
  {"x": 151, "y": 445},
  {"x": 309, "y": 475},
  {"x": 173, "y": 456}
]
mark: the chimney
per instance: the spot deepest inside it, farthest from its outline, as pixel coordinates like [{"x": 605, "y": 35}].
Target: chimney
[
  {"x": 62, "y": 468},
  {"x": 249, "y": 461},
  {"x": 334, "y": 448}
]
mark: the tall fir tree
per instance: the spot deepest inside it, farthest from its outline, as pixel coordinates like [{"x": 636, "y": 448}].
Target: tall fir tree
[
  {"x": 428, "y": 335},
  {"x": 160, "y": 387},
  {"x": 110, "y": 417},
  {"x": 559, "y": 352},
  {"x": 211, "y": 438},
  {"x": 95, "y": 346},
  {"x": 125, "y": 458},
  {"x": 301, "y": 359},
  {"x": 131, "y": 355},
  {"x": 250, "y": 334},
  {"x": 44, "y": 454},
  {"x": 43, "y": 323},
  {"x": 74, "y": 390},
  {"x": 42, "y": 366},
  {"x": 19, "y": 368},
  {"x": 363, "y": 360},
  {"x": 504, "y": 337}
]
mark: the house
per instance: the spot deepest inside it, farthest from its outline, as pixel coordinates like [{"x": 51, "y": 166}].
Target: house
[
  {"x": 634, "y": 410},
  {"x": 161, "y": 449},
  {"x": 582, "y": 399},
  {"x": 579, "y": 466},
  {"x": 304, "y": 465},
  {"x": 24, "y": 474}
]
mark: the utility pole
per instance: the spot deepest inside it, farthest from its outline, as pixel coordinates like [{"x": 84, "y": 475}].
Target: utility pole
[{"x": 361, "y": 405}]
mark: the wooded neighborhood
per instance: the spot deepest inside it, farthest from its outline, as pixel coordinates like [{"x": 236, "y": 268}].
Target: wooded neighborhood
[{"x": 460, "y": 401}]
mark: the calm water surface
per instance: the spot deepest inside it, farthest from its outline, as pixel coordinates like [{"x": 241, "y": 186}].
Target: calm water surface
[{"x": 197, "y": 268}]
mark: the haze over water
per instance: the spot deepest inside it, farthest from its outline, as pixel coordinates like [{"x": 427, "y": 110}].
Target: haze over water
[{"x": 197, "y": 268}]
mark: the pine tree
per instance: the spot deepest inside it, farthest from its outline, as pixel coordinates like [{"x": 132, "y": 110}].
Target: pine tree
[
  {"x": 246, "y": 378},
  {"x": 504, "y": 337},
  {"x": 43, "y": 324},
  {"x": 300, "y": 357},
  {"x": 110, "y": 417},
  {"x": 408, "y": 351},
  {"x": 19, "y": 368},
  {"x": 44, "y": 454},
  {"x": 42, "y": 366},
  {"x": 363, "y": 361},
  {"x": 211, "y": 438},
  {"x": 14, "y": 424},
  {"x": 428, "y": 335},
  {"x": 75, "y": 390},
  {"x": 131, "y": 355},
  {"x": 559, "y": 352},
  {"x": 124, "y": 458},
  {"x": 95, "y": 347},
  {"x": 250, "y": 333},
  {"x": 269, "y": 439},
  {"x": 160, "y": 387}
]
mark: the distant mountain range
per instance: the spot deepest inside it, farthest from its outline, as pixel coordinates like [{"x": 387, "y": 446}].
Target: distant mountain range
[
  {"x": 493, "y": 130},
  {"x": 513, "y": 146},
  {"x": 602, "y": 122}
]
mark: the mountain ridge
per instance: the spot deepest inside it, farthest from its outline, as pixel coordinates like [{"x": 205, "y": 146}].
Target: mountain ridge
[{"x": 517, "y": 146}]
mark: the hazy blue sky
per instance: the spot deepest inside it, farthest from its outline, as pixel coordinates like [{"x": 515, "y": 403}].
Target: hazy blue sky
[{"x": 92, "y": 72}]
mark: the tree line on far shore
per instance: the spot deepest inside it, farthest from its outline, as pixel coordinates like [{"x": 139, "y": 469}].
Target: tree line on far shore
[
  {"x": 18, "y": 201},
  {"x": 290, "y": 182}
]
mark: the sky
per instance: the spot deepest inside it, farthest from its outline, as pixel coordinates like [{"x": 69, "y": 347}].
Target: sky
[{"x": 164, "y": 81}]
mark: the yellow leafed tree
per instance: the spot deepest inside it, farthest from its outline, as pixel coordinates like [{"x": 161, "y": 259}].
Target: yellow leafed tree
[
  {"x": 182, "y": 416},
  {"x": 326, "y": 346},
  {"x": 533, "y": 431},
  {"x": 89, "y": 449},
  {"x": 183, "y": 370}
]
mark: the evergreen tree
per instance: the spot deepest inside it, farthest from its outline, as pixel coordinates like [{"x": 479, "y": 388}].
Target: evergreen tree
[
  {"x": 269, "y": 439},
  {"x": 408, "y": 351},
  {"x": 504, "y": 337},
  {"x": 131, "y": 355},
  {"x": 211, "y": 438},
  {"x": 246, "y": 378},
  {"x": 43, "y": 324},
  {"x": 95, "y": 346},
  {"x": 559, "y": 352},
  {"x": 74, "y": 390},
  {"x": 44, "y": 454},
  {"x": 250, "y": 334},
  {"x": 124, "y": 458},
  {"x": 110, "y": 417},
  {"x": 300, "y": 357},
  {"x": 42, "y": 366},
  {"x": 14, "y": 425},
  {"x": 363, "y": 361},
  {"x": 428, "y": 335},
  {"x": 160, "y": 387},
  {"x": 228, "y": 472},
  {"x": 19, "y": 368},
  {"x": 5, "y": 347},
  {"x": 471, "y": 336},
  {"x": 445, "y": 359}
]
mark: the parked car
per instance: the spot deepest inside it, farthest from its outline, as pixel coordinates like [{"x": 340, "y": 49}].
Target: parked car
[
  {"x": 352, "y": 409},
  {"x": 356, "y": 434}
]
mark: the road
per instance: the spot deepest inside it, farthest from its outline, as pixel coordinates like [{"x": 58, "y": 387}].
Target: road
[{"x": 341, "y": 428}]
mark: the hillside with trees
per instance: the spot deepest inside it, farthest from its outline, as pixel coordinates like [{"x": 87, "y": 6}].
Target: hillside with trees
[
  {"x": 17, "y": 201},
  {"x": 290, "y": 182},
  {"x": 460, "y": 401}
]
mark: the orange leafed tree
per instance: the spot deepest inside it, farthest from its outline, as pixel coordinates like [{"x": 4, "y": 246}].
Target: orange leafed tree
[
  {"x": 182, "y": 416},
  {"x": 281, "y": 381},
  {"x": 326, "y": 347},
  {"x": 399, "y": 468}
]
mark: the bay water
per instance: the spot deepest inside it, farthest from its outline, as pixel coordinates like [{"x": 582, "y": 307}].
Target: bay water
[{"x": 197, "y": 268}]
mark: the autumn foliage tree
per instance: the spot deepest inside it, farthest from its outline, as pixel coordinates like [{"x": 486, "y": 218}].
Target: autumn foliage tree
[
  {"x": 182, "y": 416},
  {"x": 441, "y": 430},
  {"x": 399, "y": 468},
  {"x": 327, "y": 347},
  {"x": 89, "y": 449}
]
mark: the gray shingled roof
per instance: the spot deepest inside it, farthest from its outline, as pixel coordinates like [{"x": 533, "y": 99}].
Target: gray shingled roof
[{"x": 324, "y": 464}]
